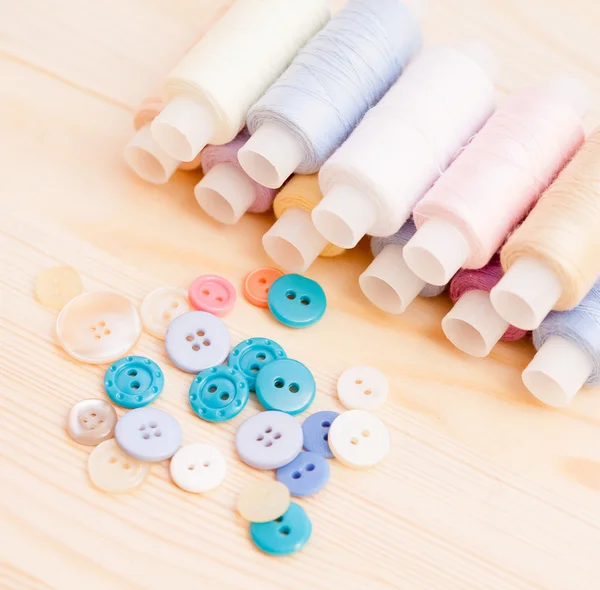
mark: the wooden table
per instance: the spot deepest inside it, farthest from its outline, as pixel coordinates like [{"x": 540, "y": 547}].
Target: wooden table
[{"x": 484, "y": 487}]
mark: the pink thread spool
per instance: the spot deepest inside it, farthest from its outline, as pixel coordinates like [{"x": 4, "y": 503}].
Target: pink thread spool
[
  {"x": 226, "y": 192},
  {"x": 491, "y": 186},
  {"x": 473, "y": 325}
]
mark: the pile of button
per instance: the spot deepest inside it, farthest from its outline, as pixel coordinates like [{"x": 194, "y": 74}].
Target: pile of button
[{"x": 101, "y": 327}]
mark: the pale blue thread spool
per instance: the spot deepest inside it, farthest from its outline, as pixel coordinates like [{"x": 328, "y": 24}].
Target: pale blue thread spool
[{"x": 317, "y": 102}]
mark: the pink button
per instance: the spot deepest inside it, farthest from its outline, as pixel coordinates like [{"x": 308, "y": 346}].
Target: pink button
[{"x": 213, "y": 294}]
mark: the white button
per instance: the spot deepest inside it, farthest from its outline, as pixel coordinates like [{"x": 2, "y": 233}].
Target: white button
[
  {"x": 198, "y": 468},
  {"x": 362, "y": 388},
  {"x": 359, "y": 439},
  {"x": 161, "y": 307}
]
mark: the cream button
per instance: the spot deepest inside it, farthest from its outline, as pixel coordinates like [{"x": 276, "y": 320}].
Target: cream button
[
  {"x": 111, "y": 470},
  {"x": 263, "y": 501},
  {"x": 362, "y": 388},
  {"x": 55, "y": 287},
  {"x": 98, "y": 327},
  {"x": 198, "y": 468},
  {"x": 91, "y": 421},
  {"x": 161, "y": 307}
]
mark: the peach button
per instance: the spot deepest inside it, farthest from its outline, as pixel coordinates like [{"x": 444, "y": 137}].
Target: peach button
[
  {"x": 263, "y": 501},
  {"x": 213, "y": 294},
  {"x": 56, "y": 286},
  {"x": 98, "y": 327},
  {"x": 161, "y": 307},
  {"x": 257, "y": 284}
]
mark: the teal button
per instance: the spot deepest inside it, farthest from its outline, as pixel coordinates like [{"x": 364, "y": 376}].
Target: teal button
[
  {"x": 296, "y": 301},
  {"x": 251, "y": 355},
  {"x": 286, "y": 385},
  {"x": 219, "y": 394},
  {"x": 133, "y": 381},
  {"x": 284, "y": 535}
]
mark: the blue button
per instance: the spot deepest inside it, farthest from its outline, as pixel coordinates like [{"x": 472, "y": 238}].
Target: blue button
[
  {"x": 296, "y": 301},
  {"x": 284, "y": 535},
  {"x": 219, "y": 394},
  {"x": 133, "y": 381},
  {"x": 316, "y": 433},
  {"x": 286, "y": 385},
  {"x": 251, "y": 355},
  {"x": 305, "y": 475}
]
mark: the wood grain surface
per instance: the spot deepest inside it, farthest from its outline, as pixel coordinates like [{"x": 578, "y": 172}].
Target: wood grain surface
[{"x": 484, "y": 487}]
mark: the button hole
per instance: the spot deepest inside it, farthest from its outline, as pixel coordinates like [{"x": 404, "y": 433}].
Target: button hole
[
  {"x": 200, "y": 333},
  {"x": 107, "y": 332},
  {"x": 285, "y": 530},
  {"x": 326, "y": 437},
  {"x": 126, "y": 466},
  {"x": 280, "y": 519},
  {"x": 220, "y": 299},
  {"x": 224, "y": 397},
  {"x": 358, "y": 382},
  {"x": 93, "y": 328},
  {"x": 97, "y": 336},
  {"x": 135, "y": 385},
  {"x": 262, "y": 281},
  {"x": 132, "y": 373},
  {"x": 205, "y": 292},
  {"x": 112, "y": 460},
  {"x": 254, "y": 368},
  {"x": 296, "y": 475},
  {"x": 157, "y": 433},
  {"x": 206, "y": 342},
  {"x": 102, "y": 324},
  {"x": 291, "y": 295},
  {"x": 277, "y": 435},
  {"x": 354, "y": 440},
  {"x": 191, "y": 467},
  {"x": 145, "y": 436},
  {"x": 195, "y": 348},
  {"x": 305, "y": 300},
  {"x": 326, "y": 424},
  {"x": 142, "y": 427},
  {"x": 260, "y": 437},
  {"x": 212, "y": 389},
  {"x": 269, "y": 443},
  {"x": 294, "y": 388},
  {"x": 279, "y": 383},
  {"x": 206, "y": 463},
  {"x": 368, "y": 392},
  {"x": 175, "y": 304},
  {"x": 268, "y": 430},
  {"x": 261, "y": 356},
  {"x": 366, "y": 433},
  {"x": 153, "y": 424},
  {"x": 189, "y": 338},
  {"x": 310, "y": 467}
]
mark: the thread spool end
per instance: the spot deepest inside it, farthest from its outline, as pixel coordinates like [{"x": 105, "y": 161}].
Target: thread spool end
[
  {"x": 557, "y": 372},
  {"x": 183, "y": 128},
  {"x": 473, "y": 325},
  {"x": 271, "y": 155},
  {"x": 293, "y": 242},
  {"x": 388, "y": 283},
  {"x": 436, "y": 251},
  {"x": 526, "y": 294},
  {"x": 225, "y": 193}
]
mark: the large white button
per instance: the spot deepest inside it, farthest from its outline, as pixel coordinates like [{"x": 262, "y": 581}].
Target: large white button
[
  {"x": 359, "y": 439},
  {"x": 198, "y": 468},
  {"x": 362, "y": 388},
  {"x": 161, "y": 307}
]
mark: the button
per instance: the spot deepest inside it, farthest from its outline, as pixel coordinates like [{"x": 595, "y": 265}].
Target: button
[
  {"x": 305, "y": 475},
  {"x": 251, "y": 355},
  {"x": 198, "y": 468},
  {"x": 284, "y": 535},
  {"x": 316, "y": 433},
  {"x": 98, "y": 327},
  {"x": 111, "y": 470},
  {"x": 196, "y": 341},
  {"x": 91, "y": 421},
  {"x": 213, "y": 294},
  {"x": 161, "y": 307},
  {"x": 148, "y": 434},
  {"x": 219, "y": 394},
  {"x": 133, "y": 381},
  {"x": 285, "y": 385},
  {"x": 268, "y": 440},
  {"x": 257, "y": 284},
  {"x": 296, "y": 301},
  {"x": 55, "y": 287},
  {"x": 362, "y": 388},
  {"x": 359, "y": 439},
  {"x": 263, "y": 501}
]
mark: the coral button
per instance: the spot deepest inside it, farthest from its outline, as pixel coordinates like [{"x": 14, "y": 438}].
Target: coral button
[
  {"x": 213, "y": 294},
  {"x": 258, "y": 283}
]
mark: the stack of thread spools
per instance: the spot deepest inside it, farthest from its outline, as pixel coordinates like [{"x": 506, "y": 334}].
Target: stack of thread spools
[{"x": 344, "y": 128}]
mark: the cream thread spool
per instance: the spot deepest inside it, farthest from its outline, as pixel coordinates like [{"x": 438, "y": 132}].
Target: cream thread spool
[
  {"x": 209, "y": 93},
  {"x": 404, "y": 143},
  {"x": 464, "y": 219},
  {"x": 553, "y": 259}
]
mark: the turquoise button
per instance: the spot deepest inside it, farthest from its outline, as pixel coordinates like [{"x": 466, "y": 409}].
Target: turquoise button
[
  {"x": 133, "y": 381},
  {"x": 286, "y": 385},
  {"x": 296, "y": 301},
  {"x": 251, "y": 355},
  {"x": 219, "y": 394},
  {"x": 284, "y": 535}
]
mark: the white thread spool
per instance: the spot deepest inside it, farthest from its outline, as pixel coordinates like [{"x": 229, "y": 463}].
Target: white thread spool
[
  {"x": 209, "y": 93},
  {"x": 403, "y": 144}
]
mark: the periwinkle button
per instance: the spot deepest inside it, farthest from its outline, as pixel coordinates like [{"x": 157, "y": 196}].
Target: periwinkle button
[
  {"x": 296, "y": 301},
  {"x": 252, "y": 355},
  {"x": 133, "y": 381},
  {"x": 316, "y": 432},
  {"x": 284, "y": 535},
  {"x": 305, "y": 475}
]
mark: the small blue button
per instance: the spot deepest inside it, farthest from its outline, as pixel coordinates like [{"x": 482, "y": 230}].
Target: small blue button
[
  {"x": 286, "y": 385},
  {"x": 305, "y": 475},
  {"x": 133, "y": 382},
  {"x": 251, "y": 355},
  {"x": 316, "y": 433},
  {"x": 296, "y": 301},
  {"x": 284, "y": 535},
  {"x": 219, "y": 394}
]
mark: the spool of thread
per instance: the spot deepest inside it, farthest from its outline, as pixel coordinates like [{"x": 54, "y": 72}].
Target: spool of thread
[
  {"x": 387, "y": 282},
  {"x": 473, "y": 325},
  {"x": 332, "y": 82},
  {"x": 568, "y": 357},
  {"x": 486, "y": 192},
  {"x": 553, "y": 259},
  {"x": 143, "y": 155},
  {"x": 209, "y": 93},
  {"x": 226, "y": 192},
  {"x": 404, "y": 143},
  {"x": 293, "y": 242}
]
